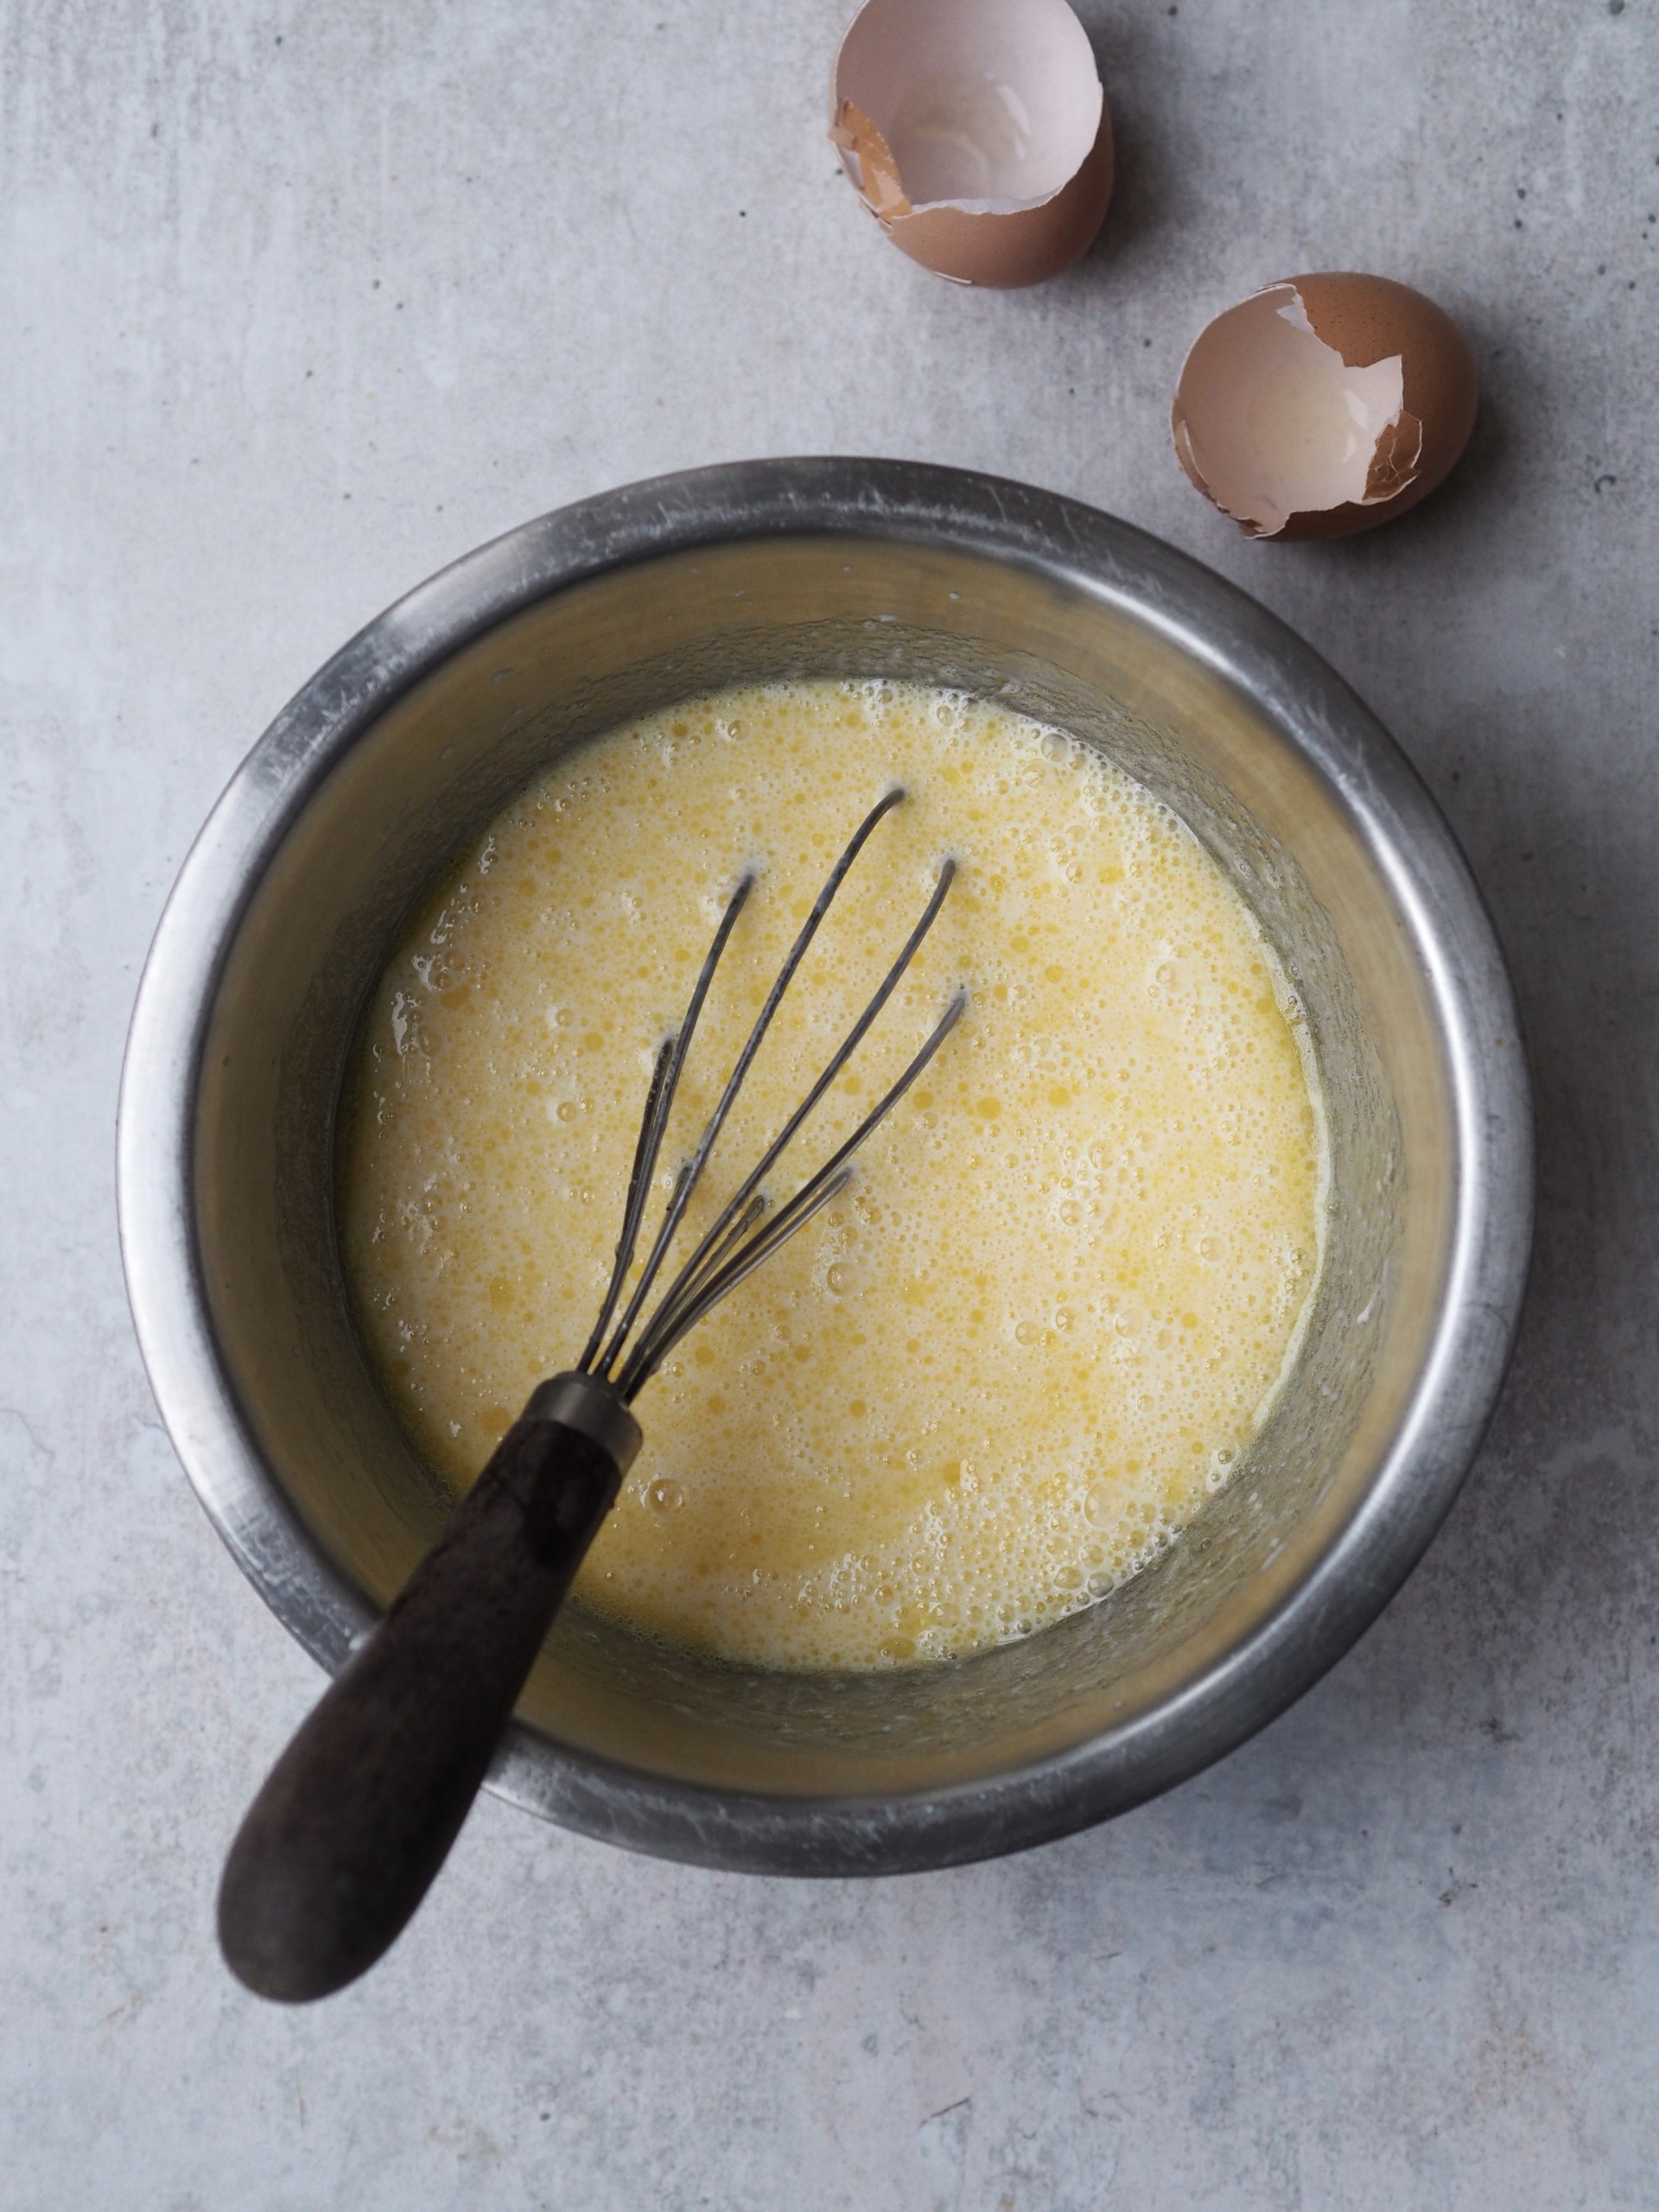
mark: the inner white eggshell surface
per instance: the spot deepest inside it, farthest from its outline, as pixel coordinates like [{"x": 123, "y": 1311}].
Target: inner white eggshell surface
[
  {"x": 1274, "y": 422},
  {"x": 990, "y": 106}
]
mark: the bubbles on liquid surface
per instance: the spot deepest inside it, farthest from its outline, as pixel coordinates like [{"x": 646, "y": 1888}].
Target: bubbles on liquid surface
[{"x": 1002, "y": 1371}]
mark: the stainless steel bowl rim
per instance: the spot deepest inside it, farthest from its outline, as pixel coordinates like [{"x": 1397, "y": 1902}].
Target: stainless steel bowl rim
[{"x": 1090, "y": 552}]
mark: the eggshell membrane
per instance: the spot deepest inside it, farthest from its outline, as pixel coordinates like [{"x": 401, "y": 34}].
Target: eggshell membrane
[
  {"x": 1366, "y": 320},
  {"x": 1052, "y": 196}
]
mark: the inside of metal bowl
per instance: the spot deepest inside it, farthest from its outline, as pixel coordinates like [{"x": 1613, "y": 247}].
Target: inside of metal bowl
[{"x": 448, "y": 752}]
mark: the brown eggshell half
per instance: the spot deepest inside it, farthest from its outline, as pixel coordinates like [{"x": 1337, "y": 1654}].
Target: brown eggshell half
[
  {"x": 1367, "y": 319},
  {"x": 1002, "y": 241},
  {"x": 1006, "y": 252}
]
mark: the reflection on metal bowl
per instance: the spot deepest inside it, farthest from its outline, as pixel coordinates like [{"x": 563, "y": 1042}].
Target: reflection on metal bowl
[{"x": 418, "y": 731}]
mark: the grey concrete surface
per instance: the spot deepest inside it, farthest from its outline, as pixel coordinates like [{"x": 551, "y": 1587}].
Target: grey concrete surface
[{"x": 297, "y": 300}]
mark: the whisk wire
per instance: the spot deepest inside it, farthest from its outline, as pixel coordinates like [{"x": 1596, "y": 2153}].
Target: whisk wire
[
  {"x": 673, "y": 1320},
  {"x": 774, "y": 997},
  {"x": 668, "y": 1328},
  {"x": 645, "y": 1156},
  {"x": 660, "y": 1105},
  {"x": 681, "y": 1197},
  {"x": 838, "y": 1060},
  {"x": 740, "y": 1237},
  {"x": 696, "y": 1272}
]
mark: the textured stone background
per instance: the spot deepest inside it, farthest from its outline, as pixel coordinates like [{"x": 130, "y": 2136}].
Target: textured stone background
[{"x": 296, "y": 302}]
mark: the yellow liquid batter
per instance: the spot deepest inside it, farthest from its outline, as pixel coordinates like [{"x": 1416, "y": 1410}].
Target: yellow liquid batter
[{"x": 1002, "y": 1369}]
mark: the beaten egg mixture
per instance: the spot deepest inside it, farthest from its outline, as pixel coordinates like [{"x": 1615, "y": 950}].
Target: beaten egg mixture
[{"x": 1000, "y": 1371}]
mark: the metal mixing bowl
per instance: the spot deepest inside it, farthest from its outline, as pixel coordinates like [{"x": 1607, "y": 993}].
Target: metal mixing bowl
[{"x": 420, "y": 729}]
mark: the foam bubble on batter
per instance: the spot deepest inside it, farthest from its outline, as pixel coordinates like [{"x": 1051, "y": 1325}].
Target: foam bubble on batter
[{"x": 999, "y": 1373}]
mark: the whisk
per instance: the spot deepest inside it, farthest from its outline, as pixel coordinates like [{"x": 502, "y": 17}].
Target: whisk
[{"x": 358, "y": 1814}]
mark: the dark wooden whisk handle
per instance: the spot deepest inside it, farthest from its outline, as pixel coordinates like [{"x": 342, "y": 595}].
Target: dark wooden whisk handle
[{"x": 342, "y": 1843}]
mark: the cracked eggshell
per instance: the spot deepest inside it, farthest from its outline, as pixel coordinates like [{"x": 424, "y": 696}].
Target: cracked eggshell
[
  {"x": 1323, "y": 404},
  {"x": 977, "y": 132}
]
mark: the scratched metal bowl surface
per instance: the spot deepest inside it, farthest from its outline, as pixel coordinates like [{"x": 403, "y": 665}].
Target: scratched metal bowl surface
[{"x": 421, "y": 728}]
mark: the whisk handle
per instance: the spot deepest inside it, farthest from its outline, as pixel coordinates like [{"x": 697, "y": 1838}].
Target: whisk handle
[{"x": 358, "y": 1814}]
